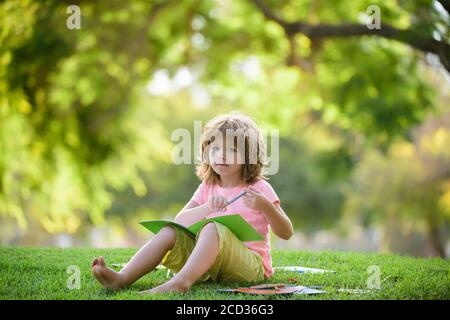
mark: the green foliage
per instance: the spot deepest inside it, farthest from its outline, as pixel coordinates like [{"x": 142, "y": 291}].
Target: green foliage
[
  {"x": 81, "y": 139},
  {"x": 408, "y": 186}
]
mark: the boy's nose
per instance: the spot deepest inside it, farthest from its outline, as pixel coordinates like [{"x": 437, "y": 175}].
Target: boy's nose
[
  {"x": 222, "y": 158},
  {"x": 221, "y": 155}
]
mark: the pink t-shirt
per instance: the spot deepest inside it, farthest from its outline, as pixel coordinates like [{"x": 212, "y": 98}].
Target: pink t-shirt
[{"x": 254, "y": 217}]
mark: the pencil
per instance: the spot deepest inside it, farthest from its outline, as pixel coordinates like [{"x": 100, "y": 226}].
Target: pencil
[{"x": 236, "y": 198}]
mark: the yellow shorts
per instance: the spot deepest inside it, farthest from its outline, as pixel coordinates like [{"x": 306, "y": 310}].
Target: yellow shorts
[{"x": 234, "y": 263}]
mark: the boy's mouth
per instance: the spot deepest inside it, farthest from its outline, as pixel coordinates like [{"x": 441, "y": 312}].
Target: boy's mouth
[{"x": 221, "y": 164}]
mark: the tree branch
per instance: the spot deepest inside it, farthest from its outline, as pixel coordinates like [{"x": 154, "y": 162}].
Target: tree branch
[{"x": 321, "y": 31}]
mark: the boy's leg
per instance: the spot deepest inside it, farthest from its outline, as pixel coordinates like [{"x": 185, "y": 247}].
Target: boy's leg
[
  {"x": 144, "y": 261},
  {"x": 200, "y": 261}
]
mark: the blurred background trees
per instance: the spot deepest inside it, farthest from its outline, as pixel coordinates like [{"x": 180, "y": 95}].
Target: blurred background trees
[{"x": 86, "y": 115}]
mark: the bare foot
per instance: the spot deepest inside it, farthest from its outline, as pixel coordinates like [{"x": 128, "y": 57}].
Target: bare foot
[
  {"x": 106, "y": 276},
  {"x": 169, "y": 286}
]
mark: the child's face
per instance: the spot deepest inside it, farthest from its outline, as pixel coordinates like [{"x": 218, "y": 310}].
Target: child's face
[{"x": 224, "y": 158}]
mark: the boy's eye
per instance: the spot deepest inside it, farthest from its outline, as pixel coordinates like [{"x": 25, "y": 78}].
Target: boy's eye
[{"x": 216, "y": 148}]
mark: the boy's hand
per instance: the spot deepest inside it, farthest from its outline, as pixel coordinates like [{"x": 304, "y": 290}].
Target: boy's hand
[
  {"x": 217, "y": 203},
  {"x": 256, "y": 200}
]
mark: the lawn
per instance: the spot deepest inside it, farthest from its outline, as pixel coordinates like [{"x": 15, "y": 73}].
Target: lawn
[{"x": 41, "y": 273}]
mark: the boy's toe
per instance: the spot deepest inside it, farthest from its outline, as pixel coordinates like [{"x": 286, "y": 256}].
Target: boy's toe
[
  {"x": 101, "y": 261},
  {"x": 94, "y": 262},
  {"x": 97, "y": 273},
  {"x": 94, "y": 270}
]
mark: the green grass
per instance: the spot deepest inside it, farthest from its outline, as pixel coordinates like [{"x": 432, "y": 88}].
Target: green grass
[{"x": 40, "y": 273}]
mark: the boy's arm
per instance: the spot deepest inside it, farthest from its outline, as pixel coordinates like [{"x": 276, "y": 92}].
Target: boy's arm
[
  {"x": 192, "y": 213},
  {"x": 278, "y": 220}
]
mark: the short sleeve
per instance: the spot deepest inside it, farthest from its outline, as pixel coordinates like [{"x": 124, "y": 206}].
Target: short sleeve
[
  {"x": 268, "y": 191},
  {"x": 199, "y": 194}
]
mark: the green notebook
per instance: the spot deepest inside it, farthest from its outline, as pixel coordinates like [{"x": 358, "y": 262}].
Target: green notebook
[{"x": 234, "y": 222}]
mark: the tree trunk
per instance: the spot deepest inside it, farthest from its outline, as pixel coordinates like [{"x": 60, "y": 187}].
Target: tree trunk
[{"x": 434, "y": 237}]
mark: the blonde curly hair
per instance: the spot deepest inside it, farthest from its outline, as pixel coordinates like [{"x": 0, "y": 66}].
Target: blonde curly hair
[{"x": 242, "y": 127}]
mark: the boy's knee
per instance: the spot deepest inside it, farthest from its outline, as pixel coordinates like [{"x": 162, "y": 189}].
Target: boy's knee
[
  {"x": 209, "y": 229},
  {"x": 169, "y": 234}
]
